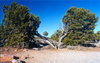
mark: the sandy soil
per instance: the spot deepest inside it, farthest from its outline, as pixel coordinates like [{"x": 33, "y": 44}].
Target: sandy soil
[{"x": 60, "y": 56}]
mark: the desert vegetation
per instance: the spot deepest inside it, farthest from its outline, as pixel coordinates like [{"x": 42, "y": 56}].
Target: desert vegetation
[
  {"x": 19, "y": 28},
  {"x": 73, "y": 42}
]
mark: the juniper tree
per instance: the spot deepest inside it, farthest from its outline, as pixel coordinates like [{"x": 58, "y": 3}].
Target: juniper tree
[
  {"x": 45, "y": 33},
  {"x": 81, "y": 25},
  {"x": 97, "y": 36},
  {"x": 78, "y": 26},
  {"x": 20, "y": 26}
]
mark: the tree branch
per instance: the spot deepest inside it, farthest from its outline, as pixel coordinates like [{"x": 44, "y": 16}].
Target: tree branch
[
  {"x": 46, "y": 40},
  {"x": 63, "y": 35}
]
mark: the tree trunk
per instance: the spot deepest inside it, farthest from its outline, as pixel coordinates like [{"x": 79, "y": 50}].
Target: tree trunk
[
  {"x": 60, "y": 40},
  {"x": 46, "y": 40},
  {"x": 63, "y": 35}
]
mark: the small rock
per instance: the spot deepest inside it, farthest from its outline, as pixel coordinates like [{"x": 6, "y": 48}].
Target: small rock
[
  {"x": 16, "y": 50},
  {"x": 15, "y": 61},
  {"x": 25, "y": 50},
  {"x": 35, "y": 48}
]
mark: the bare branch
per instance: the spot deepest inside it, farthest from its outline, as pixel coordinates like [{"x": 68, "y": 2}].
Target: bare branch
[
  {"x": 63, "y": 35},
  {"x": 46, "y": 40}
]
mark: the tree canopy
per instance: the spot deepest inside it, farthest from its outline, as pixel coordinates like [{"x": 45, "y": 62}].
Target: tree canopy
[
  {"x": 97, "y": 36},
  {"x": 20, "y": 26},
  {"x": 79, "y": 23},
  {"x": 56, "y": 35}
]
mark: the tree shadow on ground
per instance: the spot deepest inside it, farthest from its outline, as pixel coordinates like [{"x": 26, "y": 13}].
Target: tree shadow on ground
[
  {"x": 39, "y": 45},
  {"x": 88, "y": 45},
  {"x": 18, "y": 58},
  {"x": 23, "y": 62}
]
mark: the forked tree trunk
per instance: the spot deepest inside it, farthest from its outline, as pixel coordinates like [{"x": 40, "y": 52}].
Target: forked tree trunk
[
  {"x": 63, "y": 35},
  {"x": 60, "y": 40},
  {"x": 46, "y": 40}
]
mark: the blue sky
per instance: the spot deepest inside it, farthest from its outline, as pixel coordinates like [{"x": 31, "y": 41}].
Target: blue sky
[{"x": 52, "y": 11}]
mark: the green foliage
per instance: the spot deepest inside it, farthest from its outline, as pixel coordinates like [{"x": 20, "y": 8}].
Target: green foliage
[
  {"x": 1, "y": 32},
  {"x": 19, "y": 25},
  {"x": 45, "y": 33},
  {"x": 97, "y": 36},
  {"x": 56, "y": 35},
  {"x": 82, "y": 23}
]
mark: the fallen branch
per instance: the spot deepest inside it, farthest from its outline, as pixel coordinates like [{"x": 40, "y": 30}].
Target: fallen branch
[{"x": 39, "y": 35}]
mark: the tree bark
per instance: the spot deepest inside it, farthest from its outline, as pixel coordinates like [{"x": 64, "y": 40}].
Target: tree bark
[
  {"x": 46, "y": 40},
  {"x": 60, "y": 40},
  {"x": 63, "y": 35}
]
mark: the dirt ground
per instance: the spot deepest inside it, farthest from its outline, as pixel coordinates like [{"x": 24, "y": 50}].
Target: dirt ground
[{"x": 87, "y": 55}]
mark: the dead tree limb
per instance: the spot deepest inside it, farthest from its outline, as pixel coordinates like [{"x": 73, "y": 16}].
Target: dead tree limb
[
  {"x": 39, "y": 35},
  {"x": 60, "y": 40},
  {"x": 63, "y": 35}
]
